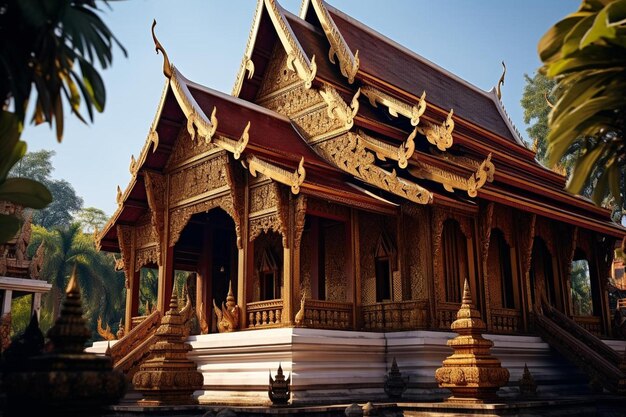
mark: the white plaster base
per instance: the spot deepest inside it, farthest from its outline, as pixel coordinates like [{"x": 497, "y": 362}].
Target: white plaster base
[{"x": 346, "y": 366}]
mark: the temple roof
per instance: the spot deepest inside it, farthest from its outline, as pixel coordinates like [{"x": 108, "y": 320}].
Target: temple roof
[{"x": 382, "y": 83}]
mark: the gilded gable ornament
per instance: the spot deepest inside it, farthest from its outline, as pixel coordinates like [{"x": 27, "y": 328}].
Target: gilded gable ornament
[
  {"x": 384, "y": 150},
  {"x": 439, "y": 135},
  {"x": 395, "y": 106},
  {"x": 292, "y": 179}
]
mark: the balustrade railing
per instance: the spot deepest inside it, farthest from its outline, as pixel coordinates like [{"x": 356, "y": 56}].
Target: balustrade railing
[
  {"x": 400, "y": 315},
  {"x": 590, "y": 323},
  {"x": 262, "y": 314},
  {"x": 322, "y": 314},
  {"x": 505, "y": 320},
  {"x": 446, "y": 314}
]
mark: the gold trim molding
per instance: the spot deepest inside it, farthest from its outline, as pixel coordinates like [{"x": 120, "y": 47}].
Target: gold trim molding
[
  {"x": 452, "y": 181},
  {"x": 348, "y": 62},
  {"x": 395, "y": 106},
  {"x": 384, "y": 150},
  {"x": 297, "y": 60},
  {"x": 236, "y": 147},
  {"x": 246, "y": 61},
  {"x": 349, "y": 154},
  {"x": 439, "y": 135},
  {"x": 292, "y": 179}
]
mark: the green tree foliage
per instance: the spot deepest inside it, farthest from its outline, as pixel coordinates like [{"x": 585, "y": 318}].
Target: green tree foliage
[
  {"x": 537, "y": 92},
  {"x": 43, "y": 44},
  {"x": 586, "y": 54},
  {"x": 37, "y": 166},
  {"x": 91, "y": 219},
  {"x": 102, "y": 288},
  {"x": 23, "y": 191},
  {"x": 581, "y": 288}
]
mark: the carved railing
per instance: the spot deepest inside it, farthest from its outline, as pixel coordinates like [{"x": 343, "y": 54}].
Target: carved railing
[
  {"x": 621, "y": 303},
  {"x": 263, "y": 314},
  {"x": 131, "y": 349},
  {"x": 401, "y": 315},
  {"x": 592, "y": 324},
  {"x": 446, "y": 314},
  {"x": 135, "y": 321},
  {"x": 322, "y": 314},
  {"x": 505, "y": 320},
  {"x": 582, "y": 333},
  {"x": 597, "y": 367}
]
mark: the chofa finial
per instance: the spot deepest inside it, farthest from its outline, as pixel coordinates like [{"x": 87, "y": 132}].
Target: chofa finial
[
  {"x": 167, "y": 67},
  {"x": 501, "y": 81}
]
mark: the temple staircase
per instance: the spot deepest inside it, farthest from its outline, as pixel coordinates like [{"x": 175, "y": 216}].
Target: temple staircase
[
  {"x": 599, "y": 361},
  {"x": 134, "y": 348}
]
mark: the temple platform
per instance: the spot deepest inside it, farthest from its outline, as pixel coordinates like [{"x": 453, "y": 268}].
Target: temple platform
[{"x": 329, "y": 366}]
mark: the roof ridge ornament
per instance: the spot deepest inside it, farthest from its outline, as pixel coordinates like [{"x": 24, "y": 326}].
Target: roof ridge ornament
[
  {"x": 281, "y": 175},
  {"x": 451, "y": 181},
  {"x": 167, "y": 67},
  {"x": 348, "y": 62},
  {"x": 394, "y": 105},
  {"x": 501, "y": 82},
  {"x": 439, "y": 135},
  {"x": 384, "y": 150}
]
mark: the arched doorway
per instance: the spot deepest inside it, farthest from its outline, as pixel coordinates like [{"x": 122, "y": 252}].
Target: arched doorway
[{"x": 208, "y": 246}]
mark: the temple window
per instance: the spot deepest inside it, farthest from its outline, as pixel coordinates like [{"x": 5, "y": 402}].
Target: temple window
[
  {"x": 384, "y": 261},
  {"x": 455, "y": 260},
  {"x": 269, "y": 276},
  {"x": 500, "y": 253},
  {"x": 581, "y": 285}
]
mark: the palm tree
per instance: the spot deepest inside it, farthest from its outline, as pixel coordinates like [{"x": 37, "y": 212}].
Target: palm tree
[
  {"x": 586, "y": 54},
  {"x": 101, "y": 286}
]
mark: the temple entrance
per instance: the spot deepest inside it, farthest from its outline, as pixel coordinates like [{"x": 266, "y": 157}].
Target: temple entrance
[
  {"x": 208, "y": 246},
  {"x": 542, "y": 275}
]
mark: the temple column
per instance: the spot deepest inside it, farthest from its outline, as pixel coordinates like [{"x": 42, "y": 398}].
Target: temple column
[
  {"x": 357, "y": 318},
  {"x": 243, "y": 261},
  {"x": 287, "y": 314},
  {"x": 132, "y": 298},
  {"x": 166, "y": 280},
  {"x": 6, "y": 302},
  {"x": 36, "y": 305}
]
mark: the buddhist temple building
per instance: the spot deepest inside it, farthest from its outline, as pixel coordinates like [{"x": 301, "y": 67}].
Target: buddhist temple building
[
  {"x": 19, "y": 274},
  {"x": 331, "y": 207}
]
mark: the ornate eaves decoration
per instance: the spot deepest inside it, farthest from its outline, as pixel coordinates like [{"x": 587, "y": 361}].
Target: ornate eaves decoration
[
  {"x": 348, "y": 62},
  {"x": 349, "y": 154},
  {"x": 156, "y": 189},
  {"x": 452, "y": 181},
  {"x": 119, "y": 197},
  {"x": 297, "y": 60},
  {"x": 236, "y": 147},
  {"x": 125, "y": 241},
  {"x": 439, "y": 135},
  {"x": 292, "y": 179},
  {"x": 384, "y": 150},
  {"x": 501, "y": 82},
  {"x": 395, "y": 106},
  {"x": 469, "y": 163},
  {"x": 246, "y": 62},
  {"x": 338, "y": 108}
]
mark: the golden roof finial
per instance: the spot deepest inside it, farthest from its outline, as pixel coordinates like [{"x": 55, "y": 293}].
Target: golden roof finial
[
  {"x": 167, "y": 67},
  {"x": 72, "y": 286},
  {"x": 501, "y": 82}
]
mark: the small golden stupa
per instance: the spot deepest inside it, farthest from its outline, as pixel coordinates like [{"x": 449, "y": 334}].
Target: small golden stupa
[
  {"x": 168, "y": 377},
  {"x": 471, "y": 372}
]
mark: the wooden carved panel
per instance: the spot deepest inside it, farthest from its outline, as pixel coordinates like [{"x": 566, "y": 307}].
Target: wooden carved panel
[
  {"x": 147, "y": 255},
  {"x": 156, "y": 187},
  {"x": 277, "y": 76},
  {"x": 371, "y": 227},
  {"x": 185, "y": 149},
  {"x": 264, "y": 224},
  {"x": 415, "y": 229},
  {"x": 544, "y": 229},
  {"x": 335, "y": 262},
  {"x": 125, "y": 240},
  {"x": 198, "y": 179},
  {"x": 263, "y": 197}
]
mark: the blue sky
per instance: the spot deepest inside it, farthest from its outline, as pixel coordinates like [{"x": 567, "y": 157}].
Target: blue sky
[{"x": 206, "y": 40}]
